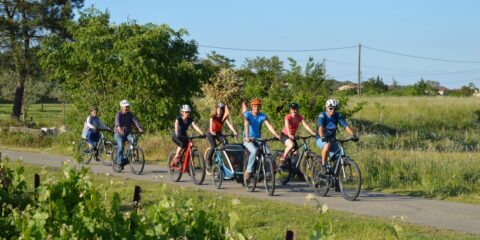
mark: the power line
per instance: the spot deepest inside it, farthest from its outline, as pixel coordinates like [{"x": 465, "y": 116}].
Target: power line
[
  {"x": 419, "y": 57},
  {"x": 277, "y": 50}
]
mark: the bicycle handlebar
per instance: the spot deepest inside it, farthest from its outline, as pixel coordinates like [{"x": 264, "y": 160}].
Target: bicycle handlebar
[
  {"x": 304, "y": 138},
  {"x": 265, "y": 140},
  {"x": 353, "y": 138},
  {"x": 195, "y": 137}
]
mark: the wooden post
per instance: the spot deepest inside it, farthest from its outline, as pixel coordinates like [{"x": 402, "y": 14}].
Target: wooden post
[
  {"x": 136, "y": 205},
  {"x": 290, "y": 235},
  {"x": 36, "y": 184}
]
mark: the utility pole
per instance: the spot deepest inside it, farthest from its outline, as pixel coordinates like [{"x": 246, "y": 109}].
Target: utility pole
[{"x": 359, "y": 73}]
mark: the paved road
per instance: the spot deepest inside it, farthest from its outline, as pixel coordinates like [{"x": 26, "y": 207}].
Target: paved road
[{"x": 439, "y": 214}]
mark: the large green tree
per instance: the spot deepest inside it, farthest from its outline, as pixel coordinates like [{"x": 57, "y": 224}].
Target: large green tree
[
  {"x": 152, "y": 66},
  {"x": 22, "y": 24}
]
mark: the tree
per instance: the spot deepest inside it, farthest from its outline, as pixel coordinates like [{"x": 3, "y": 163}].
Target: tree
[
  {"x": 150, "y": 65},
  {"x": 374, "y": 86},
  {"x": 224, "y": 87},
  {"x": 22, "y": 24}
]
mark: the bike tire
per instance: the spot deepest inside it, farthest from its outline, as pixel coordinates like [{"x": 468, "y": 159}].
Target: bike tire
[
  {"x": 115, "y": 166},
  {"x": 250, "y": 183},
  {"x": 320, "y": 182},
  {"x": 175, "y": 169},
  {"x": 197, "y": 167},
  {"x": 283, "y": 176},
  {"x": 268, "y": 175},
  {"x": 83, "y": 152},
  {"x": 350, "y": 180},
  {"x": 217, "y": 175},
  {"x": 137, "y": 160},
  {"x": 308, "y": 166},
  {"x": 104, "y": 151}
]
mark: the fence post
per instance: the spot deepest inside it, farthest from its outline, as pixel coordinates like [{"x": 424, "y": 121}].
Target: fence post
[
  {"x": 36, "y": 184},
  {"x": 136, "y": 205},
  {"x": 290, "y": 235}
]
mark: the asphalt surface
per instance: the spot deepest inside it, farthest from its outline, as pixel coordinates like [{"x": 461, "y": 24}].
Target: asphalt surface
[{"x": 433, "y": 213}]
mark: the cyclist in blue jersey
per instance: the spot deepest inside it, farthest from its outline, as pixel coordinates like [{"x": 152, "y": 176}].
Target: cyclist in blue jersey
[
  {"x": 253, "y": 121},
  {"x": 327, "y": 129}
]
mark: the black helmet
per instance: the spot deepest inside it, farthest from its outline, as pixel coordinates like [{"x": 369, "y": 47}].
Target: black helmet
[{"x": 294, "y": 105}]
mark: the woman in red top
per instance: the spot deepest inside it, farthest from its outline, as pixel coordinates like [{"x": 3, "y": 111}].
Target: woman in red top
[
  {"x": 292, "y": 121},
  {"x": 218, "y": 118}
]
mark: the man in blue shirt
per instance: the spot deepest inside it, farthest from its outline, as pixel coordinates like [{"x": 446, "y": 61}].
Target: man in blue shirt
[
  {"x": 253, "y": 129},
  {"x": 327, "y": 129}
]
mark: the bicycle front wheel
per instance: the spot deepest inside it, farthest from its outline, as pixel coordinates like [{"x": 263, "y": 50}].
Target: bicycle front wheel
[
  {"x": 217, "y": 175},
  {"x": 175, "y": 167},
  {"x": 320, "y": 182},
  {"x": 350, "y": 180},
  {"x": 251, "y": 182},
  {"x": 115, "y": 166},
  {"x": 268, "y": 175},
  {"x": 137, "y": 160},
  {"x": 282, "y": 175},
  {"x": 104, "y": 150},
  {"x": 84, "y": 155},
  {"x": 309, "y": 164},
  {"x": 197, "y": 167}
]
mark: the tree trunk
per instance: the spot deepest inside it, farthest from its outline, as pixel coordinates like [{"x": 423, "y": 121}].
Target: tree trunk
[
  {"x": 41, "y": 104},
  {"x": 18, "y": 100}
]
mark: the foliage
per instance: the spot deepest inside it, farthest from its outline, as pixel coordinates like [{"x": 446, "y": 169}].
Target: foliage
[
  {"x": 22, "y": 24},
  {"x": 224, "y": 87},
  {"x": 374, "y": 86},
  {"x": 151, "y": 66}
]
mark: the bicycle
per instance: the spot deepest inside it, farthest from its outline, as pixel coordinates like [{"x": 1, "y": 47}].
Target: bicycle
[
  {"x": 133, "y": 154},
  {"x": 262, "y": 167},
  {"x": 302, "y": 163},
  {"x": 342, "y": 173},
  {"x": 100, "y": 152},
  {"x": 227, "y": 162},
  {"x": 190, "y": 160}
]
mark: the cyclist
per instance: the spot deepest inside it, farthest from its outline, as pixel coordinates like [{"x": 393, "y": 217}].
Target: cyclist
[
  {"x": 327, "y": 129},
  {"x": 124, "y": 122},
  {"x": 91, "y": 127},
  {"x": 253, "y": 121},
  {"x": 218, "y": 118},
  {"x": 182, "y": 123},
  {"x": 287, "y": 136}
]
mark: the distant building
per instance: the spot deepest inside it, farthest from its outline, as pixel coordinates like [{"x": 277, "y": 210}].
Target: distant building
[
  {"x": 441, "y": 90},
  {"x": 347, "y": 87}
]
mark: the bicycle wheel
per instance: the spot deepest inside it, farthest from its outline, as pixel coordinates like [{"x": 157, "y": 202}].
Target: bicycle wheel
[
  {"x": 350, "y": 179},
  {"x": 83, "y": 152},
  {"x": 208, "y": 171},
  {"x": 137, "y": 160},
  {"x": 197, "y": 167},
  {"x": 268, "y": 175},
  {"x": 115, "y": 166},
  {"x": 175, "y": 168},
  {"x": 308, "y": 165},
  {"x": 217, "y": 175},
  {"x": 283, "y": 176},
  {"x": 104, "y": 151},
  {"x": 250, "y": 183},
  {"x": 320, "y": 182}
]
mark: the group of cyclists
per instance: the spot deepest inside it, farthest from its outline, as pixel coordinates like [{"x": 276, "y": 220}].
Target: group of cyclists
[{"x": 327, "y": 124}]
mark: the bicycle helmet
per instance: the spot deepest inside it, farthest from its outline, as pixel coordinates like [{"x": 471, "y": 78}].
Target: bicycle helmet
[
  {"x": 185, "y": 108},
  {"x": 124, "y": 103},
  {"x": 294, "y": 105},
  {"x": 331, "y": 103},
  {"x": 256, "y": 101},
  {"x": 93, "y": 109},
  {"x": 220, "y": 105}
]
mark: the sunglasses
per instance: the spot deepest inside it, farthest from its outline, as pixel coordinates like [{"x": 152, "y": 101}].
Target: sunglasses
[{"x": 332, "y": 109}]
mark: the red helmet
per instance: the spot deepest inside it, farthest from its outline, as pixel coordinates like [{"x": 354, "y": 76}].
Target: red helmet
[{"x": 256, "y": 101}]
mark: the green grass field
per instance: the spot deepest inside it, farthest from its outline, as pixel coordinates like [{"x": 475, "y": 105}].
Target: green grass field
[
  {"x": 52, "y": 116},
  {"x": 260, "y": 218}
]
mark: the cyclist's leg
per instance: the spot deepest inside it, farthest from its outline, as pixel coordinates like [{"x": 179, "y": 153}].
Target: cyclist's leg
[
  {"x": 181, "y": 143},
  {"x": 213, "y": 145},
  {"x": 251, "y": 158},
  {"x": 119, "y": 140},
  {"x": 325, "y": 146}
]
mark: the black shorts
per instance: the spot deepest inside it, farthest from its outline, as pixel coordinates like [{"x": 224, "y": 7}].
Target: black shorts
[
  {"x": 283, "y": 139},
  {"x": 181, "y": 141}
]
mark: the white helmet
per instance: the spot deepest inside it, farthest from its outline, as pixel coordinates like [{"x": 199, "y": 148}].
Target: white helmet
[
  {"x": 185, "y": 108},
  {"x": 124, "y": 103},
  {"x": 331, "y": 103}
]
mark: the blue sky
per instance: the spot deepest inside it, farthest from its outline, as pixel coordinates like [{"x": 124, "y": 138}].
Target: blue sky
[{"x": 447, "y": 30}]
